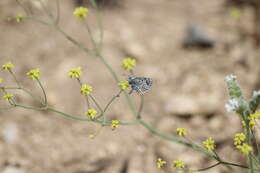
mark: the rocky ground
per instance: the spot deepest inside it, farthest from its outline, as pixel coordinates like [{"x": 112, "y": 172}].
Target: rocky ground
[{"x": 188, "y": 89}]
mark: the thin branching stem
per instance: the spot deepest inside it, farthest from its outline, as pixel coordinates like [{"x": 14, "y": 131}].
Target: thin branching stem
[
  {"x": 96, "y": 103},
  {"x": 23, "y": 7},
  {"x": 141, "y": 107},
  {"x": 111, "y": 100},
  {"x": 204, "y": 169},
  {"x": 43, "y": 91},
  {"x": 46, "y": 10},
  {"x": 57, "y": 12},
  {"x": 15, "y": 79}
]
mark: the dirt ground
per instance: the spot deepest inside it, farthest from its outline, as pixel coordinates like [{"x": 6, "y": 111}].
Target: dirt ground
[{"x": 188, "y": 89}]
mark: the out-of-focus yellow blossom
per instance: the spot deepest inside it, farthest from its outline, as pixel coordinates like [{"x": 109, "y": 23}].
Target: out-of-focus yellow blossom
[
  {"x": 91, "y": 113},
  {"x": 209, "y": 144},
  {"x": 124, "y": 85},
  {"x": 244, "y": 149},
  {"x": 115, "y": 124},
  {"x": 91, "y": 136},
  {"x": 178, "y": 164},
  {"x": 128, "y": 63},
  {"x": 160, "y": 163},
  {"x": 19, "y": 18},
  {"x": 235, "y": 12},
  {"x": 256, "y": 115},
  {"x": 80, "y": 12},
  {"x": 181, "y": 131},
  {"x": 34, "y": 74},
  {"x": 7, "y": 66},
  {"x": 85, "y": 89},
  {"x": 75, "y": 73},
  {"x": 8, "y": 96},
  {"x": 239, "y": 138}
]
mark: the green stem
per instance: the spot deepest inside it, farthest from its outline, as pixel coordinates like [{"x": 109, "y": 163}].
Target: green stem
[
  {"x": 7, "y": 108},
  {"x": 141, "y": 107},
  {"x": 43, "y": 91},
  {"x": 204, "y": 169},
  {"x": 112, "y": 99},
  {"x": 176, "y": 140},
  {"x": 96, "y": 103},
  {"x": 16, "y": 81}
]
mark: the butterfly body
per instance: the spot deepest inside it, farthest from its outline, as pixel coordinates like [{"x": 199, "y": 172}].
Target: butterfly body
[{"x": 140, "y": 84}]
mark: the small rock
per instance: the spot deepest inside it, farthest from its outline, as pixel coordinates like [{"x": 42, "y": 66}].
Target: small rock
[{"x": 197, "y": 37}]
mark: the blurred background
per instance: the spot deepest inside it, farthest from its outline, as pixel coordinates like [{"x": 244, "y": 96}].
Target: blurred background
[{"x": 186, "y": 47}]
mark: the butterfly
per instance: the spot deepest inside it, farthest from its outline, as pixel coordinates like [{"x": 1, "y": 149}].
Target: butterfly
[{"x": 140, "y": 84}]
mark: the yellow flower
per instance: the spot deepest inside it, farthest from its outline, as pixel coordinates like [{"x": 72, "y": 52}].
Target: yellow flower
[
  {"x": 252, "y": 123},
  {"x": 75, "y": 73},
  {"x": 160, "y": 163},
  {"x": 114, "y": 124},
  {"x": 1, "y": 80},
  {"x": 91, "y": 136},
  {"x": 91, "y": 113},
  {"x": 34, "y": 74},
  {"x": 239, "y": 138},
  {"x": 209, "y": 144},
  {"x": 128, "y": 63},
  {"x": 251, "y": 119},
  {"x": 235, "y": 12},
  {"x": 244, "y": 149},
  {"x": 124, "y": 85},
  {"x": 8, "y": 96},
  {"x": 80, "y": 12},
  {"x": 7, "y": 66},
  {"x": 178, "y": 164},
  {"x": 19, "y": 18},
  {"x": 243, "y": 124},
  {"x": 256, "y": 115},
  {"x": 85, "y": 89},
  {"x": 181, "y": 131}
]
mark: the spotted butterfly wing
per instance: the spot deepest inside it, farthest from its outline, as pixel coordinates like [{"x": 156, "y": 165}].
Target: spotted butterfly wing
[{"x": 140, "y": 84}]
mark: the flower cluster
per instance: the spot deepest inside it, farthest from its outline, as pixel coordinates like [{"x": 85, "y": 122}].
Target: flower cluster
[
  {"x": 91, "y": 113},
  {"x": 19, "y": 18},
  {"x": 7, "y": 66},
  {"x": 209, "y": 144},
  {"x": 115, "y": 124},
  {"x": 235, "y": 13},
  {"x": 75, "y": 73},
  {"x": 179, "y": 164},
  {"x": 34, "y": 74},
  {"x": 128, "y": 63},
  {"x": 252, "y": 121},
  {"x": 181, "y": 131},
  {"x": 85, "y": 89},
  {"x": 239, "y": 138},
  {"x": 80, "y": 12},
  {"x": 124, "y": 85},
  {"x": 239, "y": 142},
  {"x": 244, "y": 149},
  {"x": 160, "y": 163},
  {"x": 8, "y": 96},
  {"x": 91, "y": 136}
]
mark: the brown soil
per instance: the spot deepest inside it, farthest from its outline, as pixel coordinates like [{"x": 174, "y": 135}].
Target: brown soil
[{"x": 188, "y": 89}]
